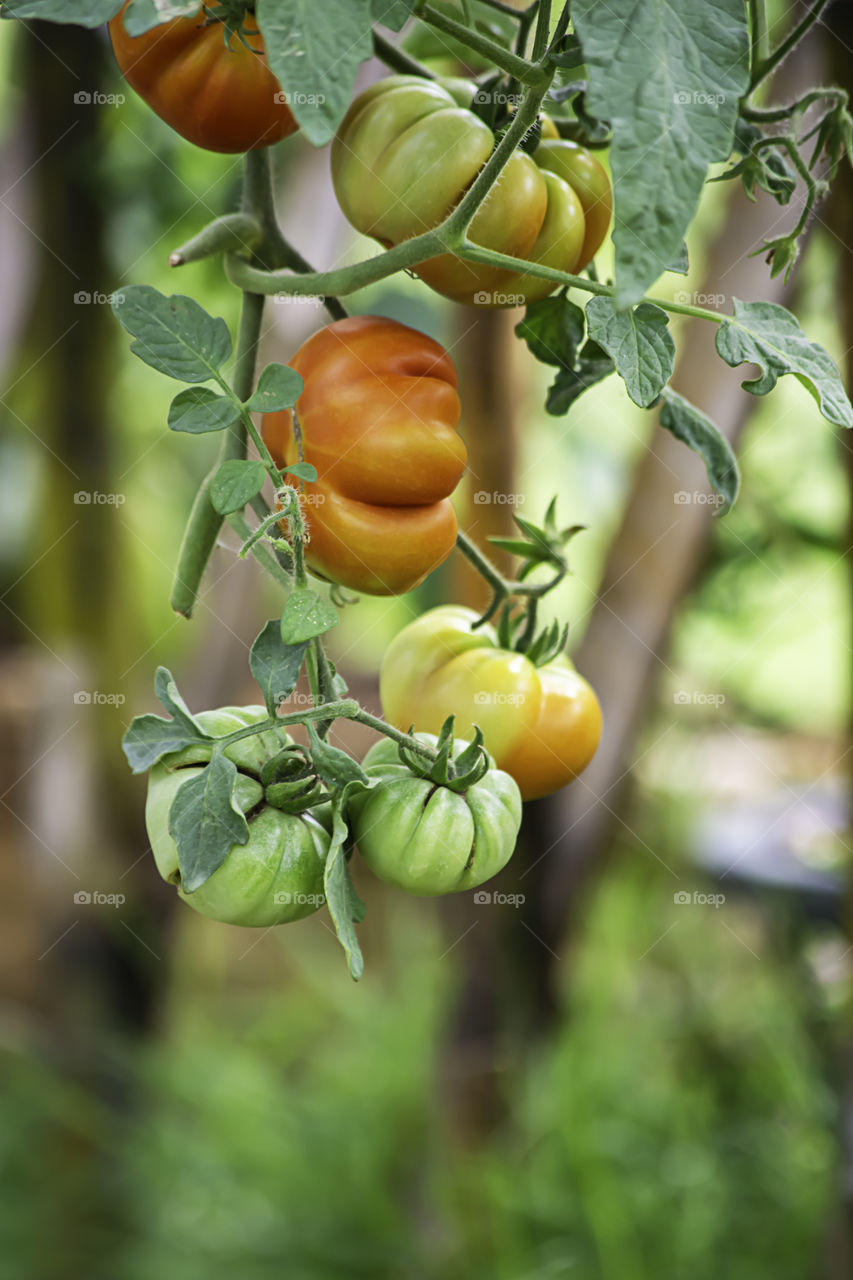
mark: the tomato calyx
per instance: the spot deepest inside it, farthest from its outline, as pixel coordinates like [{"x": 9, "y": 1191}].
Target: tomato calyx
[
  {"x": 290, "y": 781},
  {"x": 466, "y": 770},
  {"x": 231, "y": 14}
]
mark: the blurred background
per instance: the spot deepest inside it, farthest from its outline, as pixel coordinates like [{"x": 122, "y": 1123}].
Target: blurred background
[{"x": 636, "y": 1066}]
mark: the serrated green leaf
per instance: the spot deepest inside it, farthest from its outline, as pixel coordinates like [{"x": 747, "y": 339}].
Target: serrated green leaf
[
  {"x": 689, "y": 425},
  {"x": 393, "y": 14},
  {"x": 205, "y": 822},
  {"x": 306, "y": 615},
  {"x": 334, "y": 766},
  {"x": 150, "y": 737},
  {"x": 593, "y": 366},
  {"x": 236, "y": 483},
  {"x": 201, "y": 409},
  {"x": 638, "y": 342},
  {"x": 680, "y": 264},
  {"x": 766, "y": 334},
  {"x": 669, "y": 76},
  {"x": 174, "y": 335},
  {"x": 83, "y": 13},
  {"x": 279, "y": 387},
  {"x": 315, "y": 47},
  {"x": 302, "y": 471},
  {"x": 345, "y": 906},
  {"x": 144, "y": 15},
  {"x": 553, "y": 329},
  {"x": 275, "y": 665}
]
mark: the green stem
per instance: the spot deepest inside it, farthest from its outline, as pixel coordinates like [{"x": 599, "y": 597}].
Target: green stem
[
  {"x": 543, "y": 27},
  {"x": 758, "y": 32},
  {"x": 502, "y": 588},
  {"x": 404, "y": 739},
  {"x": 259, "y": 550},
  {"x": 794, "y": 110},
  {"x": 232, "y": 233},
  {"x": 204, "y": 523},
  {"x": 398, "y": 60},
  {"x": 522, "y": 70},
  {"x": 767, "y": 65}
]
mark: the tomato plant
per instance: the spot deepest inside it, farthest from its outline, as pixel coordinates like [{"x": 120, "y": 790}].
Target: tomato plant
[{"x": 488, "y": 187}]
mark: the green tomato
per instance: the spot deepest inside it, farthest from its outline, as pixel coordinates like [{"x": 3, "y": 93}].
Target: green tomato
[
  {"x": 405, "y": 155},
  {"x": 429, "y": 839},
  {"x": 277, "y": 876}
]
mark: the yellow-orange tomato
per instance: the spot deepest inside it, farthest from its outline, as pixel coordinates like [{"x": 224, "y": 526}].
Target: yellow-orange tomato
[
  {"x": 222, "y": 98},
  {"x": 589, "y": 179},
  {"x": 542, "y": 724},
  {"x": 377, "y": 417}
]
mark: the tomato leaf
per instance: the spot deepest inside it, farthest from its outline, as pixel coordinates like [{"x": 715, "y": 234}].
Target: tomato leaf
[
  {"x": 201, "y": 409},
  {"x": 668, "y": 75},
  {"x": 306, "y": 615},
  {"x": 205, "y": 822},
  {"x": 143, "y": 15},
  {"x": 315, "y": 47},
  {"x": 302, "y": 471},
  {"x": 345, "y": 906},
  {"x": 593, "y": 365},
  {"x": 236, "y": 483},
  {"x": 334, "y": 766},
  {"x": 553, "y": 329},
  {"x": 638, "y": 342},
  {"x": 174, "y": 335},
  {"x": 689, "y": 424},
  {"x": 279, "y": 387},
  {"x": 150, "y": 737},
  {"x": 275, "y": 665},
  {"x": 83, "y": 13},
  {"x": 392, "y": 13},
  {"x": 765, "y": 334}
]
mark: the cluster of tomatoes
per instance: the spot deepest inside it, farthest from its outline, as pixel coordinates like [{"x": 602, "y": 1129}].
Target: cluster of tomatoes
[{"x": 378, "y": 420}]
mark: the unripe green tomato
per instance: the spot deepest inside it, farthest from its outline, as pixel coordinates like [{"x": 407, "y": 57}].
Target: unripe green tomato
[
  {"x": 275, "y": 878},
  {"x": 428, "y": 839}
]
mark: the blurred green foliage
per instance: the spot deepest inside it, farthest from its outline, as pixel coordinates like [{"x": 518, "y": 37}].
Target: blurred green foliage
[{"x": 678, "y": 1124}]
